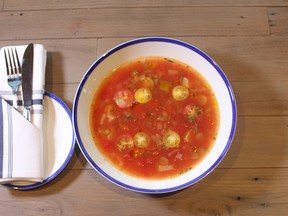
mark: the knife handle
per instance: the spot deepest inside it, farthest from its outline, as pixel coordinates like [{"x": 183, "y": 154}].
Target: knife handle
[{"x": 27, "y": 114}]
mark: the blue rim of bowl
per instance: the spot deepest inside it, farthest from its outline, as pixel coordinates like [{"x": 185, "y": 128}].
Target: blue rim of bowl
[
  {"x": 165, "y": 40},
  {"x": 61, "y": 168}
]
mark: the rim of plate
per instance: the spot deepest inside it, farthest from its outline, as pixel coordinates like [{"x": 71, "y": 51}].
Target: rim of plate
[
  {"x": 61, "y": 168},
  {"x": 164, "y": 40}
]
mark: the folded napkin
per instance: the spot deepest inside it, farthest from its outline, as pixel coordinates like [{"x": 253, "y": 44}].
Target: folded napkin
[{"x": 21, "y": 141}]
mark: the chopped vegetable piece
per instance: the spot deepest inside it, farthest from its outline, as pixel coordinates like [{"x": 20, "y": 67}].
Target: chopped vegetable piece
[
  {"x": 165, "y": 85},
  {"x": 163, "y": 161},
  {"x": 195, "y": 155},
  {"x": 199, "y": 136},
  {"x": 124, "y": 98},
  {"x": 104, "y": 131},
  {"x": 202, "y": 100},
  {"x": 147, "y": 82},
  {"x": 125, "y": 142},
  {"x": 185, "y": 82},
  {"x": 143, "y": 95},
  {"x": 162, "y": 168},
  {"x": 179, "y": 156},
  {"x": 110, "y": 116},
  {"x": 171, "y": 139},
  {"x": 136, "y": 153},
  {"x": 191, "y": 112},
  {"x": 141, "y": 140},
  {"x": 173, "y": 72},
  {"x": 134, "y": 73},
  {"x": 180, "y": 92},
  {"x": 189, "y": 135}
]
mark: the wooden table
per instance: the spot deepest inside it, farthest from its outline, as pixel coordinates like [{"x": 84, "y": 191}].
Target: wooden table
[{"x": 247, "y": 38}]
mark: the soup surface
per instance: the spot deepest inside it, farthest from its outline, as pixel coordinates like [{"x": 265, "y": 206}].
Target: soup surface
[{"x": 154, "y": 117}]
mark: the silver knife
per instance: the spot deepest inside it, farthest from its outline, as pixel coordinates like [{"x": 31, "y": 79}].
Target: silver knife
[{"x": 27, "y": 80}]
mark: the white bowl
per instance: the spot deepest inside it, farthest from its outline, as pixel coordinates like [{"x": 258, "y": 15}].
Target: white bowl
[{"x": 154, "y": 46}]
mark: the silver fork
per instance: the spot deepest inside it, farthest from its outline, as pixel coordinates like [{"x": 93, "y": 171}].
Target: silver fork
[{"x": 13, "y": 72}]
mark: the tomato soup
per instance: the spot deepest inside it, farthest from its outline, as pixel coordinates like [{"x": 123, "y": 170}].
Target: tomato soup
[{"x": 154, "y": 117}]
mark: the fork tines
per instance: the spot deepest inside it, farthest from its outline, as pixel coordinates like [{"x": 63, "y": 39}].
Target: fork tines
[
  {"x": 14, "y": 78},
  {"x": 12, "y": 63}
]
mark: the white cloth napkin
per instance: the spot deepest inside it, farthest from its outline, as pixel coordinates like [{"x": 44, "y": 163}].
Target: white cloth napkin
[{"x": 21, "y": 141}]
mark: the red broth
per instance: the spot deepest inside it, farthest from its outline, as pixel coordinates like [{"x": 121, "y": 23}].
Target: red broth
[{"x": 154, "y": 117}]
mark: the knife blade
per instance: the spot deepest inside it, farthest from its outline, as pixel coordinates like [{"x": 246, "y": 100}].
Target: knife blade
[{"x": 27, "y": 79}]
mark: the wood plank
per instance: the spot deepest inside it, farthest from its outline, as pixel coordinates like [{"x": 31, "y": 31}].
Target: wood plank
[
  {"x": 241, "y": 58},
  {"x": 1, "y": 5},
  {"x": 228, "y": 192},
  {"x": 260, "y": 141},
  {"x": 278, "y": 20},
  {"x": 68, "y": 60},
  {"x": 197, "y": 21},
  {"x": 67, "y": 4},
  {"x": 261, "y": 98}
]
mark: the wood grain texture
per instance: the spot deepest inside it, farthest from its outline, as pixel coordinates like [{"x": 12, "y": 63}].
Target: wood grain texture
[
  {"x": 83, "y": 23},
  {"x": 1, "y": 5},
  {"x": 259, "y": 142},
  {"x": 278, "y": 20},
  {"x": 223, "y": 192},
  {"x": 261, "y": 98},
  {"x": 248, "y": 39},
  {"x": 67, "y": 4}
]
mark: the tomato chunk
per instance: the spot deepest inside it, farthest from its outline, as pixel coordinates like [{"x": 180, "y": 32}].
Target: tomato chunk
[
  {"x": 141, "y": 140},
  {"x": 191, "y": 112},
  {"x": 124, "y": 98},
  {"x": 171, "y": 139},
  {"x": 143, "y": 95},
  {"x": 180, "y": 92},
  {"x": 125, "y": 142}
]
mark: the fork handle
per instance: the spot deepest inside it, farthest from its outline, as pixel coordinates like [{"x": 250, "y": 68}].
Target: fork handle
[{"x": 15, "y": 101}]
